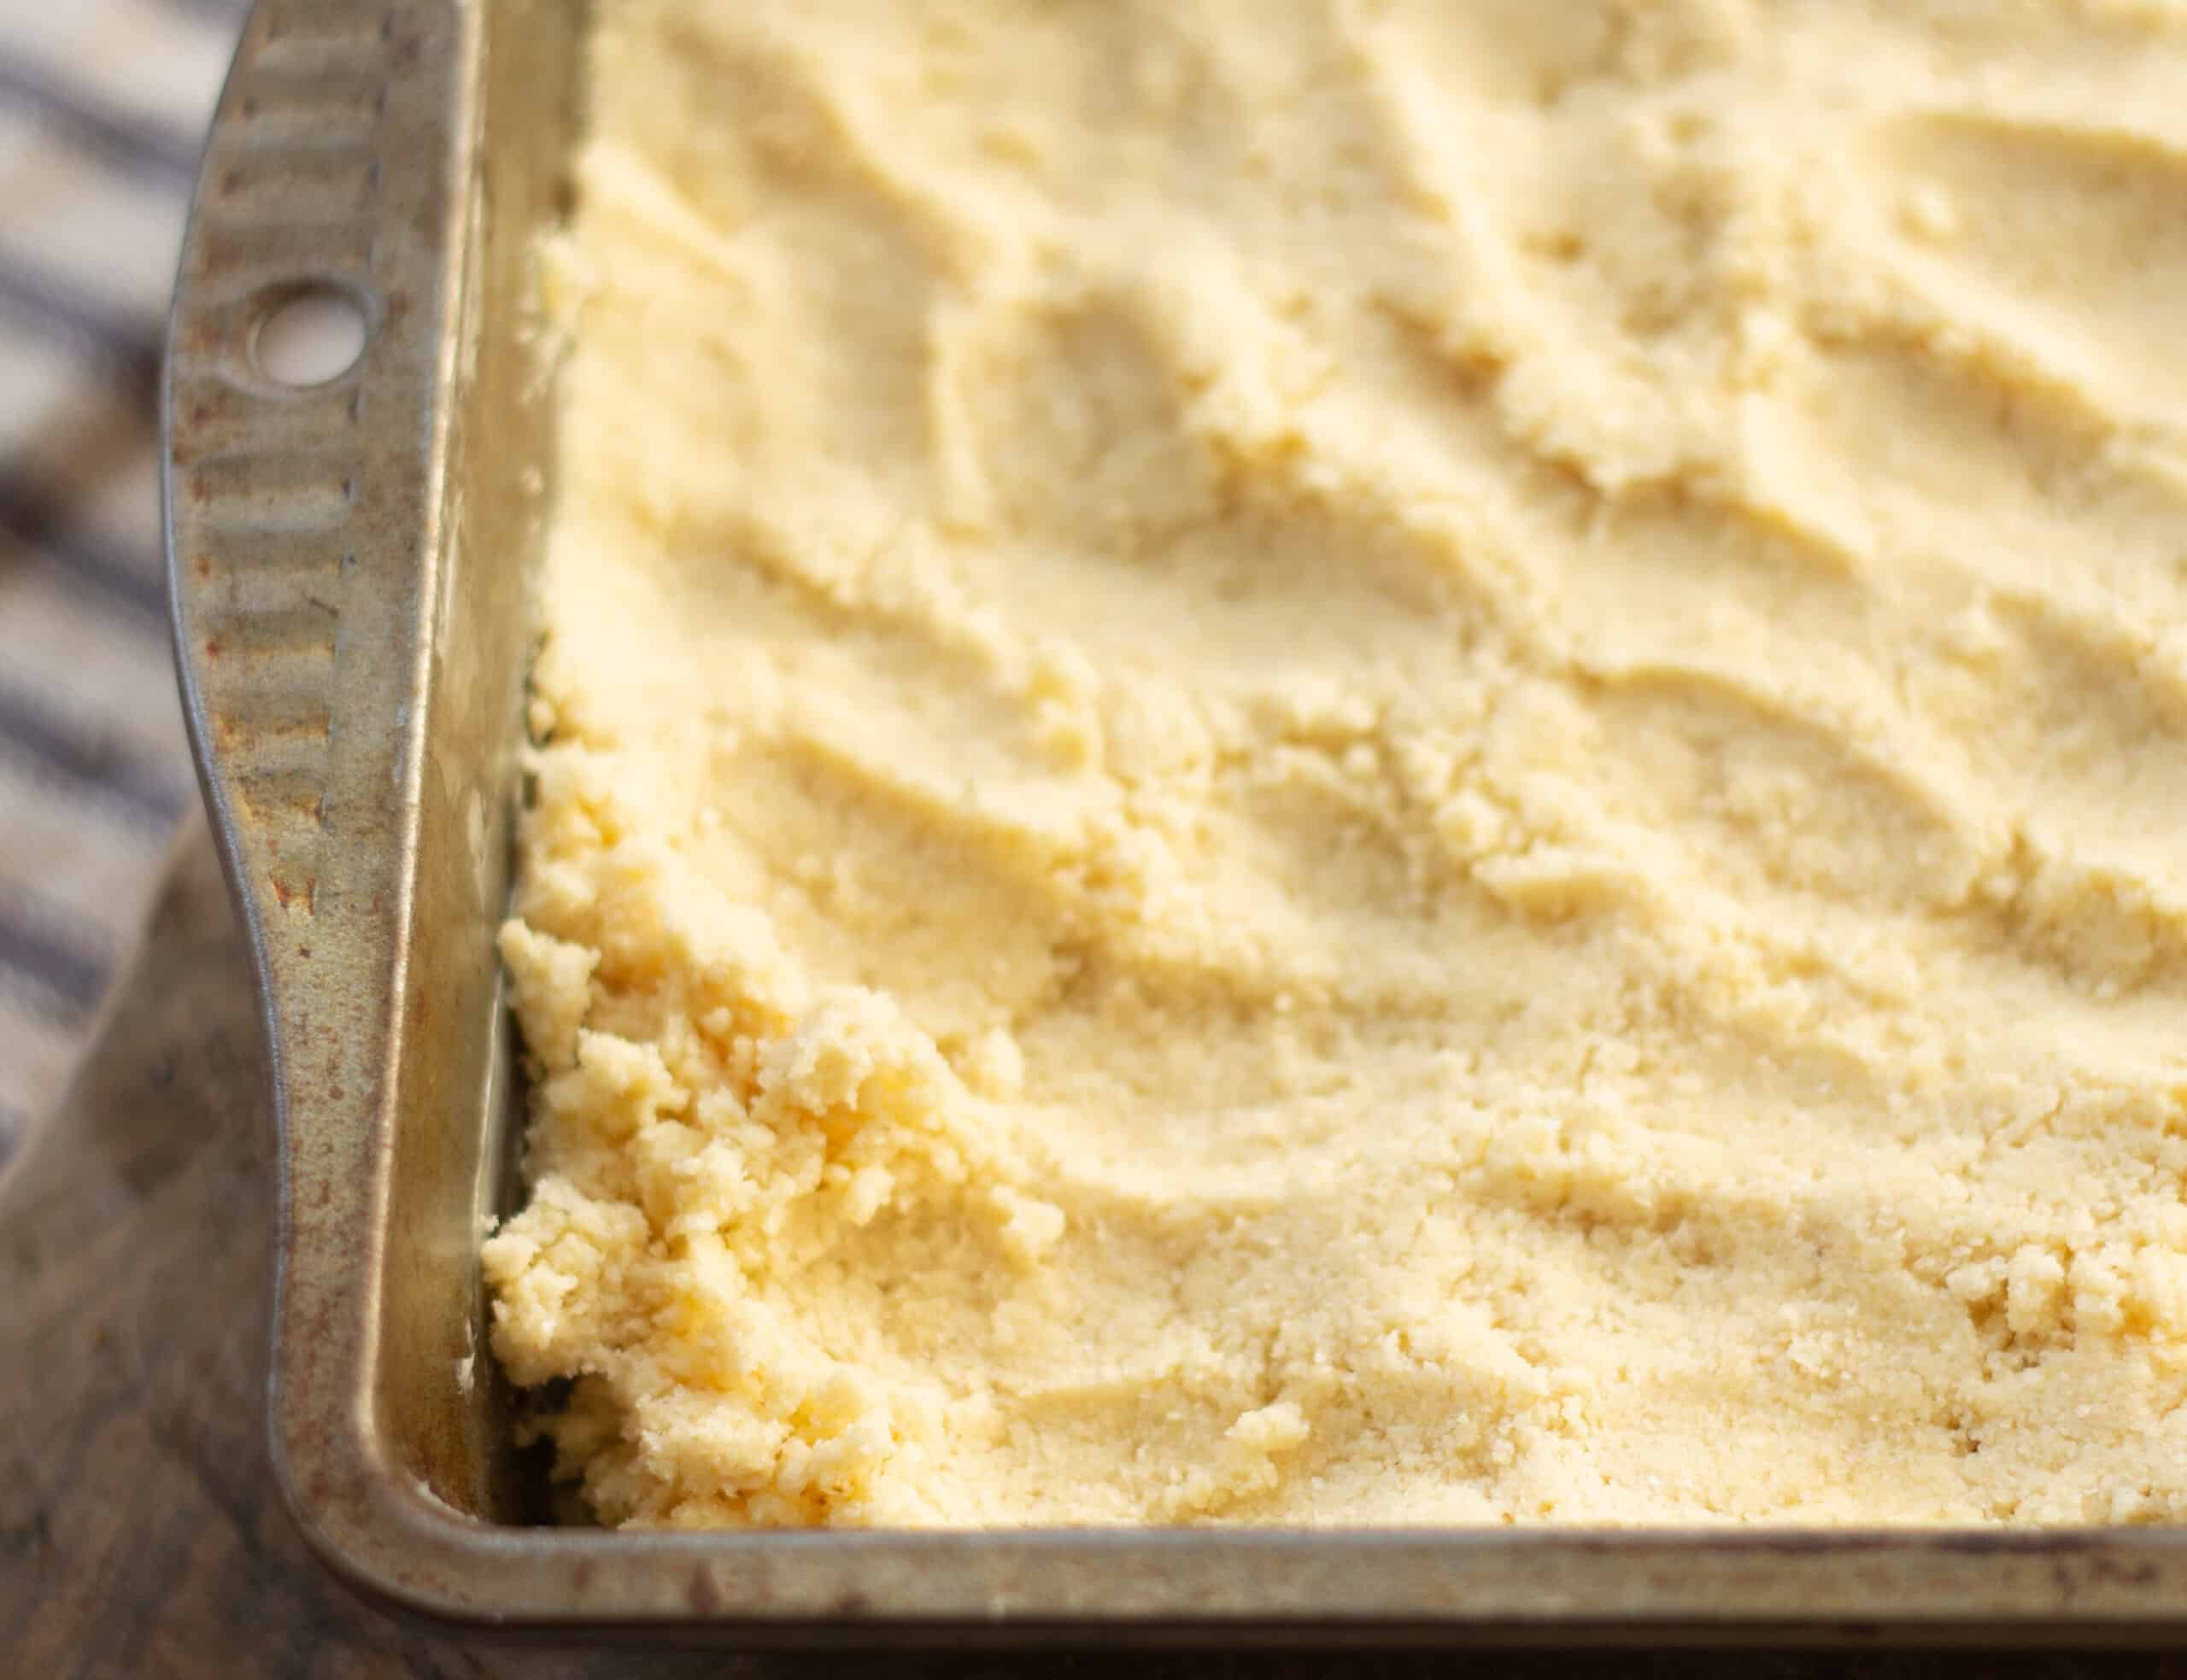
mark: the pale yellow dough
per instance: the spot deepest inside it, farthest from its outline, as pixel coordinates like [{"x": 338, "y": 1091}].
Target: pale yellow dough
[{"x": 1320, "y": 762}]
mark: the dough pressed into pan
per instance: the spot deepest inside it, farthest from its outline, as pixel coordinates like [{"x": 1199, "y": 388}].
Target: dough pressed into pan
[{"x": 1331, "y": 761}]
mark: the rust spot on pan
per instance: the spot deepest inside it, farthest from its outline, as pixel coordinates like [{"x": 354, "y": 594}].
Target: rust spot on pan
[{"x": 704, "y": 1596}]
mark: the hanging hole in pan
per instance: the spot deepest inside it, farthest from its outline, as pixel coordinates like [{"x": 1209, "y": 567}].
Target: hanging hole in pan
[{"x": 308, "y": 334}]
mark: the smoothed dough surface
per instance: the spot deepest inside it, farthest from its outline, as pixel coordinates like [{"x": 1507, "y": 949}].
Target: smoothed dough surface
[{"x": 1309, "y": 760}]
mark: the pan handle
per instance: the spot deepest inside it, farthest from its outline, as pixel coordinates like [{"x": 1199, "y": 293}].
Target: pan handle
[{"x": 304, "y": 527}]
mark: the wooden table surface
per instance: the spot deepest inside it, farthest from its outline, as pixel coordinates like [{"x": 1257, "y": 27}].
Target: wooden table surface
[{"x": 140, "y": 1530}]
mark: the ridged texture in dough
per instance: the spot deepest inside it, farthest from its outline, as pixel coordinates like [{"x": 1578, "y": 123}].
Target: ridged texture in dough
[{"x": 1329, "y": 762}]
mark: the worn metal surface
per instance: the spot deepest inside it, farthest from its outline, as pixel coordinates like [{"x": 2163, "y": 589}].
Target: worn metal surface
[{"x": 349, "y": 565}]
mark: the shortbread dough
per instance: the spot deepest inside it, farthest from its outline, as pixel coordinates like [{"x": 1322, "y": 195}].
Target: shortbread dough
[{"x": 1310, "y": 761}]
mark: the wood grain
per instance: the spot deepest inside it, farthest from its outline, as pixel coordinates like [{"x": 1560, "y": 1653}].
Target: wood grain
[{"x": 140, "y": 1529}]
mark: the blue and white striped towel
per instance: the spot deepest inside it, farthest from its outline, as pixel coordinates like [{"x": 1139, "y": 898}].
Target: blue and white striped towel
[{"x": 103, "y": 103}]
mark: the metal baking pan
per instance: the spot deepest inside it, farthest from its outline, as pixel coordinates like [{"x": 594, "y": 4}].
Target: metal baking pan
[{"x": 349, "y": 562}]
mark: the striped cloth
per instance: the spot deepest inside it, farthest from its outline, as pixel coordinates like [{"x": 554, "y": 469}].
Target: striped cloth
[{"x": 103, "y": 103}]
